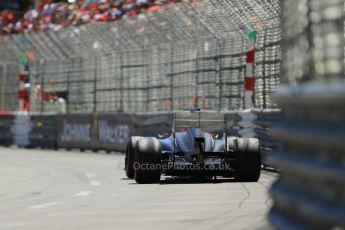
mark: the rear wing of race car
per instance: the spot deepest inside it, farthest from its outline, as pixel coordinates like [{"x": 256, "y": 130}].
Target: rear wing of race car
[{"x": 206, "y": 121}]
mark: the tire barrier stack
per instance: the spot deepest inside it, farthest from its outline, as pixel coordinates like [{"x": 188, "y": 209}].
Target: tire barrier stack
[
  {"x": 263, "y": 124},
  {"x": 236, "y": 123},
  {"x": 241, "y": 123},
  {"x": 310, "y": 193}
]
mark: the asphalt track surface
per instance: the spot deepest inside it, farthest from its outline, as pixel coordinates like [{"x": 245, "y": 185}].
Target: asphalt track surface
[{"x": 43, "y": 189}]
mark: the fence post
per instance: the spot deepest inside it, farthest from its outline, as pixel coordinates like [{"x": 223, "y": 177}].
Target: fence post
[
  {"x": 219, "y": 67},
  {"x": 146, "y": 58},
  {"x": 196, "y": 77},
  {"x": 2, "y": 95},
  {"x": 42, "y": 86},
  {"x": 21, "y": 92},
  {"x": 68, "y": 86},
  {"x": 2, "y": 82},
  {"x": 121, "y": 82},
  {"x": 249, "y": 78},
  {"x": 172, "y": 78},
  {"x": 95, "y": 86},
  {"x": 264, "y": 72}
]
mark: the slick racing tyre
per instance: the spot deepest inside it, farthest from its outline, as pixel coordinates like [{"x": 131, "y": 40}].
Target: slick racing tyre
[
  {"x": 247, "y": 160},
  {"x": 129, "y": 159},
  {"x": 231, "y": 148},
  {"x": 231, "y": 144},
  {"x": 147, "y": 163}
]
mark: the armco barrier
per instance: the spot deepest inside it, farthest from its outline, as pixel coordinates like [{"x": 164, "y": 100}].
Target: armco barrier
[
  {"x": 111, "y": 132},
  {"x": 28, "y": 131},
  {"x": 43, "y": 131},
  {"x": 6, "y": 123},
  {"x": 310, "y": 194},
  {"x": 264, "y": 122},
  {"x": 75, "y": 131},
  {"x": 21, "y": 129}
]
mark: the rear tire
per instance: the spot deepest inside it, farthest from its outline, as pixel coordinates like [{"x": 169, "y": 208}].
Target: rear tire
[
  {"x": 129, "y": 159},
  {"x": 231, "y": 144},
  {"x": 147, "y": 155},
  {"x": 248, "y": 160},
  {"x": 231, "y": 148}
]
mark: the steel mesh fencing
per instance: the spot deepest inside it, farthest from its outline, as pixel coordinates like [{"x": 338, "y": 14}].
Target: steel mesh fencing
[
  {"x": 9, "y": 71},
  {"x": 264, "y": 18},
  {"x": 267, "y": 67},
  {"x": 185, "y": 55},
  {"x": 9, "y": 86},
  {"x": 313, "y": 41}
]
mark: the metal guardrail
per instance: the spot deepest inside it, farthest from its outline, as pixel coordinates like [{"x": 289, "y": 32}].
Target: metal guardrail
[
  {"x": 6, "y": 136},
  {"x": 43, "y": 132},
  {"x": 109, "y": 131}
]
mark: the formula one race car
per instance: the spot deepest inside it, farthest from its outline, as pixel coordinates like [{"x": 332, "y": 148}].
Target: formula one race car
[{"x": 198, "y": 147}]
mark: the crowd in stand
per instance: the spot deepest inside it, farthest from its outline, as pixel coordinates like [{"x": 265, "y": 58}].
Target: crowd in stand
[{"x": 56, "y": 15}]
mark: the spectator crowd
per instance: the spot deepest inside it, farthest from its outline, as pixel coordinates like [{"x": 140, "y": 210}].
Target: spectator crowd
[{"x": 56, "y": 15}]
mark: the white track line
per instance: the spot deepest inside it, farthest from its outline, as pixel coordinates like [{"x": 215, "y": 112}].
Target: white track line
[
  {"x": 95, "y": 183},
  {"x": 91, "y": 175},
  {"x": 39, "y": 206},
  {"x": 83, "y": 193}
]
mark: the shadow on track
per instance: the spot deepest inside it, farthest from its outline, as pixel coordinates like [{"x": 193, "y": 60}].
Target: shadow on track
[
  {"x": 187, "y": 180},
  {"x": 194, "y": 180}
]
